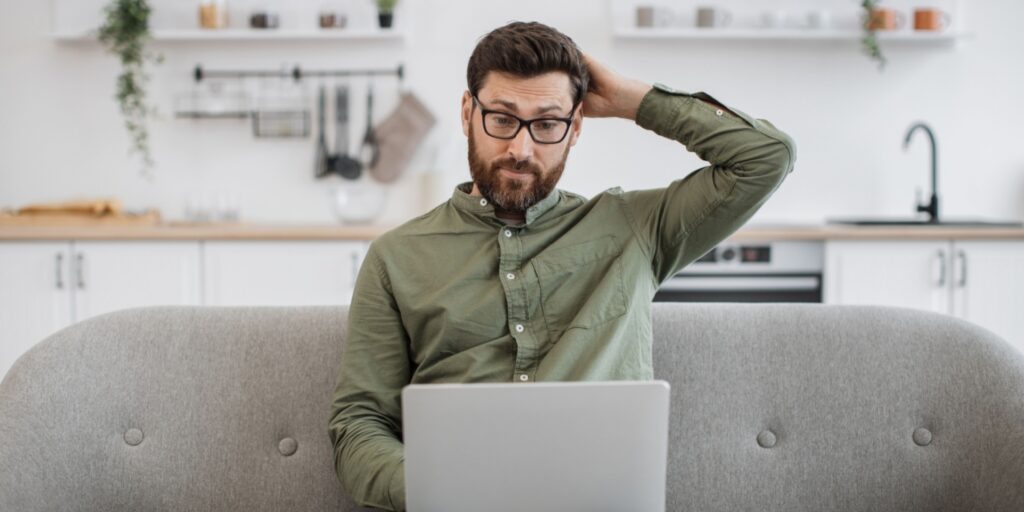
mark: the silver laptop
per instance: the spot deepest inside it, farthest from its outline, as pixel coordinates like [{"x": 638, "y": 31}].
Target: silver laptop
[{"x": 582, "y": 446}]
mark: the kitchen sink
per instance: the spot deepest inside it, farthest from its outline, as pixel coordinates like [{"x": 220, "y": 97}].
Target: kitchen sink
[{"x": 925, "y": 222}]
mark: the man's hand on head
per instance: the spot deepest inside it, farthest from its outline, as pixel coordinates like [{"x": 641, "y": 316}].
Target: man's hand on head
[{"x": 610, "y": 94}]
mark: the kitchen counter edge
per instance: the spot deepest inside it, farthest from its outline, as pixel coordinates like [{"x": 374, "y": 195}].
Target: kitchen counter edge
[{"x": 365, "y": 233}]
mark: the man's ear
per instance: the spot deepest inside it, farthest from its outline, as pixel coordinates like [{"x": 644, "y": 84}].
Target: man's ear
[
  {"x": 577, "y": 126},
  {"x": 467, "y": 112}
]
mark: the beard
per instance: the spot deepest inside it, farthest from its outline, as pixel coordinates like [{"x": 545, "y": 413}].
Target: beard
[{"x": 513, "y": 194}]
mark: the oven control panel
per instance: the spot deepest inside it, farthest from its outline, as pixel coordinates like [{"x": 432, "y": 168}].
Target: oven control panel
[
  {"x": 778, "y": 271},
  {"x": 741, "y": 253},
  {"x": 780, "y": 256}
]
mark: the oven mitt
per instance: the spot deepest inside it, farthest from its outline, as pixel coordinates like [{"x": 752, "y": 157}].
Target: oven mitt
[{"x": 399, "y": 135}]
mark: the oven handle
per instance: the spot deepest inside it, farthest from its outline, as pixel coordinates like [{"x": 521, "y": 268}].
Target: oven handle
[{"x": 746, "y": 283}]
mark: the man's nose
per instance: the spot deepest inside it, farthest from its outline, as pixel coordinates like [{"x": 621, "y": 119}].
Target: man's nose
[{"x": 521, "y": 146}]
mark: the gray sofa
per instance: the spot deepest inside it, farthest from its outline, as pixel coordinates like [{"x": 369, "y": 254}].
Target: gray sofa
[{"x": 774, "y": 407}]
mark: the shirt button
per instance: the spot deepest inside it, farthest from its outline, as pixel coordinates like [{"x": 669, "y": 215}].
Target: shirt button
[
  {"x": 524, "y": 377},
  {"x": 508, "y": 234},
  {"x": 483, "y": 202},
  {"x": 719, "y": 112},
  {"x": 510, "y": 276},
  {"x": 519, "y": 328}
]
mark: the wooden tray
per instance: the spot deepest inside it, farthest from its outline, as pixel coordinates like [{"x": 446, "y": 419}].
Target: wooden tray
[{"x": 146, "y": 218}]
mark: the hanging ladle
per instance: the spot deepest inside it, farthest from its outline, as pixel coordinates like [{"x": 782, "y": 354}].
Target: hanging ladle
[
  {"x": 342, "y": 164},
  {"x": 370, "y": 150}
]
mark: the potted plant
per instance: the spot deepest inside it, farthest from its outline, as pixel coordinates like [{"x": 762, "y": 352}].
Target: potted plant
[
  {"x": 125, "y": 32},
  {"x": 869, "y": 41},
  {"x": 386, "y": 12}
]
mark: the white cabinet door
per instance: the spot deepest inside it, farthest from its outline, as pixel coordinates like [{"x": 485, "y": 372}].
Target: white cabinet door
[
  {"x": 108, "y": 276},
  {"x": 294, "y": 273},
  {"x": 906, "y": 274},
  {"x": 35, "y": 298},
  {"x": 988, "y": 286}
]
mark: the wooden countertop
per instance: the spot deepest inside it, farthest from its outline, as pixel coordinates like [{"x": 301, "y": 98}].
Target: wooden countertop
[
  {"x": 186, "y": 231},
  {"x": 840, "y": 232},
  {"x": 180, "y": 231}
]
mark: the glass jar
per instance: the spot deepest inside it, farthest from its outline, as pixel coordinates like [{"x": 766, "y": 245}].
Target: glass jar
[{"x": 213, "y": 14}]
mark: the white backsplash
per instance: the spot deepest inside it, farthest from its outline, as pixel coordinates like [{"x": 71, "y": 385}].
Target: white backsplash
[{"x": 63, "y": 136}]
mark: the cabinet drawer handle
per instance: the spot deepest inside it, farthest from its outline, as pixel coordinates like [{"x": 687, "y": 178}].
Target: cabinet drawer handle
[
  {"x": 79, "y": 272},
  {"x": 961, "y": 257},
  {"x": 355, "y": 268},
  {"x": 940, "y": 281},
  {"x": 60, "y": 271}
]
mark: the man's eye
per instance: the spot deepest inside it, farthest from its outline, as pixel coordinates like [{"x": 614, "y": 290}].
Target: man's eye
[
  {"x": 546, "y": 125},
  {"x": 503, "y": 120}
]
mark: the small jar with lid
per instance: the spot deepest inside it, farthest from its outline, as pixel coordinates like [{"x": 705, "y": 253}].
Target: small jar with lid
[
  {"x": 213, "y": 14},
  {"x": 263, "y": 18},
  {"x": 331, "y": 16}
]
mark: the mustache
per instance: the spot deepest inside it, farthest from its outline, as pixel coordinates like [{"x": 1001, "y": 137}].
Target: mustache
[{"x": 518, "y": 165}]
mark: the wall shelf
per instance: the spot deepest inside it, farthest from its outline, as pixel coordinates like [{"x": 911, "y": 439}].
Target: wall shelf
[
  {"x": 797, "y": 21},
  {"x": 254, "y": 35},
  {"x": 172, "y": 21},
  {"x": 755, "y": 34}
]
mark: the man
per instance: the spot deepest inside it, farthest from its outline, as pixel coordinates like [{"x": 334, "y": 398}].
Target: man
[{"x": 515, "y": 280}]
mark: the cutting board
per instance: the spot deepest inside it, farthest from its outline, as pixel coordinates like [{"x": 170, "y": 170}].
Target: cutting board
[{"x": 59, "y": 218}]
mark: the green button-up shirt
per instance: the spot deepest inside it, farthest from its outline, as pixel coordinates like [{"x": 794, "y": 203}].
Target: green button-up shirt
[{"x": 456, "y": 295}]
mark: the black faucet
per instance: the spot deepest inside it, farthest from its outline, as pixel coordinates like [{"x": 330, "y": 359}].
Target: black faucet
[{"x": 932, "y": 207}]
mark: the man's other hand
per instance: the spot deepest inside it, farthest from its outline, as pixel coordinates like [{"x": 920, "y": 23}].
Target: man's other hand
[{"x": 610, "y": 94}]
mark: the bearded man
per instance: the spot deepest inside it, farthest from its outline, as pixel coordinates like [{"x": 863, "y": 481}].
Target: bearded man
[{"x": 514, "y": 280}]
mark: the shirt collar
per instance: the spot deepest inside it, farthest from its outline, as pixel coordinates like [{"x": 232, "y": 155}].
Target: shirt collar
[{"x": 462, "y": 200}]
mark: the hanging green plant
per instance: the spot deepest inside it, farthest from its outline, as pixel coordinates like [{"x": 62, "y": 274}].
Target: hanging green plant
[
  {"x": 870, "y": 41},
  {"x": 125, "y": 33}
]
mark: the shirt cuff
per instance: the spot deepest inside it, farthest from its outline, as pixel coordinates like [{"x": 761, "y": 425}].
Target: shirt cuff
[
  {"x": 662, "y": 99},
  {"x": 397, "y": 488}
]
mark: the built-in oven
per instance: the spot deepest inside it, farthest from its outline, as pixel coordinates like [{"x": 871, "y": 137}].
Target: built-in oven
[{"x": 780, "y": 271}]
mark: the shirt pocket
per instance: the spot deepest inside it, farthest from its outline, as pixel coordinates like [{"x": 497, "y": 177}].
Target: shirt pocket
[{"x": 581, "y": 285}]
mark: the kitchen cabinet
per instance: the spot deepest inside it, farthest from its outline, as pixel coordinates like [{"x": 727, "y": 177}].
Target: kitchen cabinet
[
  {"x": 978, "y": 281},
  {"x": 35, "y": 295},
  {"x": 988, "y": 286},
  {"x": 906, "y": 274},
  {"x": 46, "y": 286},
  {"x": 290, "y": 273},
  {"x": 117, "y": 275}
]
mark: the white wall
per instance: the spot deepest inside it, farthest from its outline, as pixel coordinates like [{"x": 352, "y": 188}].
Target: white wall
[{"x": 61, "y": 134}]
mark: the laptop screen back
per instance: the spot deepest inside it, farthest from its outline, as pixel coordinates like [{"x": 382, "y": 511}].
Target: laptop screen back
[{"x": 582, "y": 446}]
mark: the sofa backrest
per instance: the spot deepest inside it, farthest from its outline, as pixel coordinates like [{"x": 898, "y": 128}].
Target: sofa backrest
[
  {"x": 813, "y": 408},
  {"x": 175, "y": 408},
  {"x": 774, "y": 407}
]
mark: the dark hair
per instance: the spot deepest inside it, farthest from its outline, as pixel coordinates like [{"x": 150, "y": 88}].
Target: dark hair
[{"x": 527, "y": 50}]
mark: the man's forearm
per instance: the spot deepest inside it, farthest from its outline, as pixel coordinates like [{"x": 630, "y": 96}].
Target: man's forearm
[
  {"x": 370, "y": 464},
  {"x": 628, "y": 98},
  {"x": 749, "y": 159},
  {"x": 717, "y": 134},
  {"x": 366, "y": 414}
]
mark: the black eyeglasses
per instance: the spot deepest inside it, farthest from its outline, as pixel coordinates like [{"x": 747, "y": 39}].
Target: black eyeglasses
[{"x": 545, "y": 130}]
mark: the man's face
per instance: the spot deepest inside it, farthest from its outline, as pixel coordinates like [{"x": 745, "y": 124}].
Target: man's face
[{"x": 516, "y": 173}]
